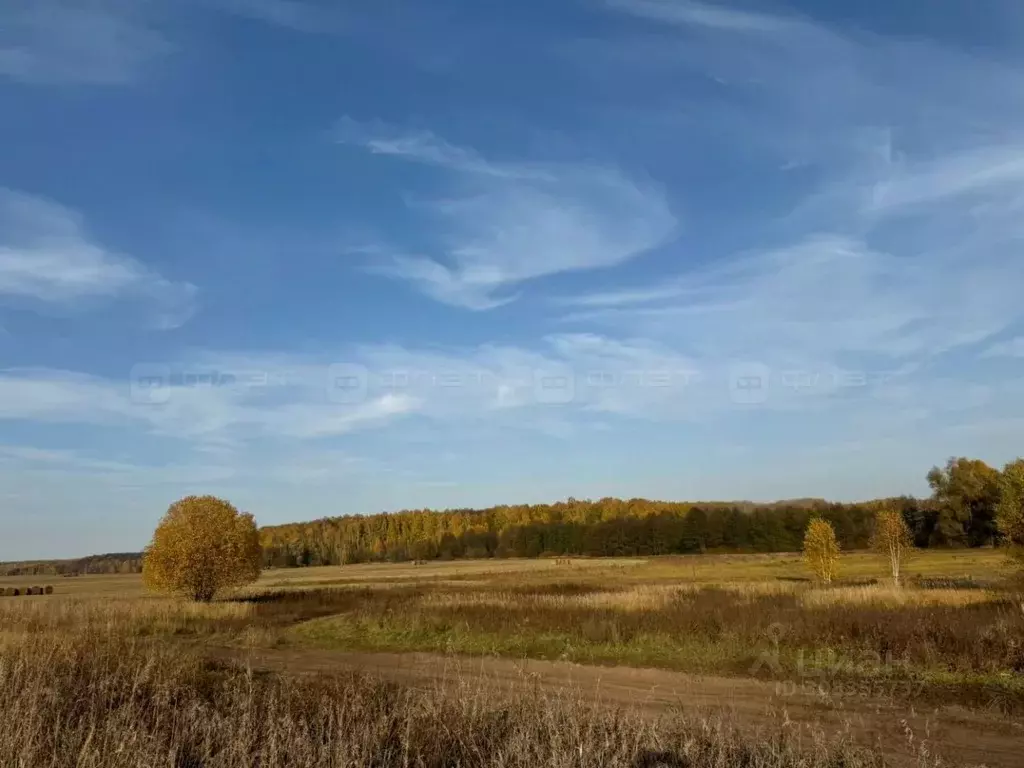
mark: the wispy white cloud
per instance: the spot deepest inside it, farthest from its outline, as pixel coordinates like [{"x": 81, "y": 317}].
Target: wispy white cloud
[
  {"x": 48, "y": 257},
  {"x": 822, "y": 298},
  {"x": 310, "y": 421},
  {"x": 901, "y": 234},
  {"x": 668, "y": 289},
  {"x": 468, "y": 290},
  {"x": 293, "y": 403},
  {"x": 982, "y": 171},
  {"x": 41, "y": 465},
  {"x": 719, "y": 17},
  {"x": 48, "y": 457},
  {"x": 277, "y": 417},
  {"x": 320, "y": 466},
  {"x": 105, "y": 42},
  {"x": 226, "y": 399},
  {"x": 428, "y": 148},
  {"x": 503, "y": 224},
  {"x": 61, "y": 397},
  {"x": 295, "y": 15},
  {"x": 1009, "y": 348},
  {"x": 822, "y": 98}
]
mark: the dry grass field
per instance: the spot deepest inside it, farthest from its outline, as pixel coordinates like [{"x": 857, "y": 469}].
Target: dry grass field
[
  {"x": 697, "y": 661},
  {"x": 982, "y": 565}
]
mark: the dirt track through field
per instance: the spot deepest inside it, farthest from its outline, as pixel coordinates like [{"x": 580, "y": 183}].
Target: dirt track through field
[{"x": 960, "y": 736}]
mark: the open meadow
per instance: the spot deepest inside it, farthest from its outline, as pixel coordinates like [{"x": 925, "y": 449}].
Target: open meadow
[{"x": 701, "y": 660}]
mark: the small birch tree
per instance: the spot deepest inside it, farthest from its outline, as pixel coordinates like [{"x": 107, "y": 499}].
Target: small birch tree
[
  {"x": 892, "y": 540},
  {"x": 821, "y": 550}
]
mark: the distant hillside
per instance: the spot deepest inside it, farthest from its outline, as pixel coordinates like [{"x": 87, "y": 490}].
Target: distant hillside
[{"x": 114, "y": 562}]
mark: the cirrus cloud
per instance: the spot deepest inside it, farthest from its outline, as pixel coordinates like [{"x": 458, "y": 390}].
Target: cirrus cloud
[
  {"x": 47, "y": 258},
  {"x": 498, "y": 225}
]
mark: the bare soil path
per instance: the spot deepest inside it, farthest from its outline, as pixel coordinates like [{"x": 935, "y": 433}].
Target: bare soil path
[{"x": 961, "y": 736}]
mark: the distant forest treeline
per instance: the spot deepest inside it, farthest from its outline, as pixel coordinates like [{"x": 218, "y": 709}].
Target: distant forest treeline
[
  {"x": 115, "y": 562},
  {"x": 960, "y": 513},
  {"x": 604, "y": 528}
]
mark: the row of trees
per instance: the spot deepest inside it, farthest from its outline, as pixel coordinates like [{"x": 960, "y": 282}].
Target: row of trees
[
  {"x": 959, "y": 487},
  {"x": 960, "y": 513},
  {"x": 204, "y": 545}
]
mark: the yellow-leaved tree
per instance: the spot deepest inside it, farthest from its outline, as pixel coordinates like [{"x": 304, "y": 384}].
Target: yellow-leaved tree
[
  {"x": 892, "y": 539},
  {"x": 821, "y": 550},
  {"x": 202, "y": 546}
]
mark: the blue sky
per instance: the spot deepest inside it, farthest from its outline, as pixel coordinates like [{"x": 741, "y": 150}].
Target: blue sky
[{"x": 325, "y": 258}]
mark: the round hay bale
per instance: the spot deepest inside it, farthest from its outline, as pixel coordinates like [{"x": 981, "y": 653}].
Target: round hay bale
[
  {"x": 15, "y": 592},
  {"x": 3, "y": 591},
  {"x": 33, "y": 591},
  {"x": 48, "y": 590}
]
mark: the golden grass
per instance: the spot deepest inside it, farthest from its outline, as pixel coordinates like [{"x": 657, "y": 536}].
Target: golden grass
[
  {"x": 887, "y": 596},
  {"x": 640, "y": 598},
  {"x": 655, "y": 597},
  {"x": 122, "y": 585},
  {"x": 978, "y": 564},
  {"x": 155, "y": 616},
  {"x": 455, "y": 571},
  {"x": 76, "y": 702},
  {"x": 724, "y": 570},
  {"x": 90, "y": 677}
]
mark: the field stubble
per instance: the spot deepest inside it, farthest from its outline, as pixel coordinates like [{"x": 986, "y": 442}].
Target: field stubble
[
  {"x": 91, "y": 679},
  {"x": 103, "y": 700}
]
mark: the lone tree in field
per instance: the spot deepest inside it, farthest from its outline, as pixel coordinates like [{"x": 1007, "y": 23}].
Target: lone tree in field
[
  {"x": 1010, "y": 516},
  {"x": 892, "y": 539},
  {"x": 821, "y": 550},
  {"x": 202, "y": 546}
]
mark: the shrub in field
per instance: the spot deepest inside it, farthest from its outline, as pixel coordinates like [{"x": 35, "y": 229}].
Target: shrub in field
[
  {"x": 1010, "y": 516},
  {"x": 821, "y": 550},
  {"x": 202, "y": 546},
  {"x": 893, "y": 540}
]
